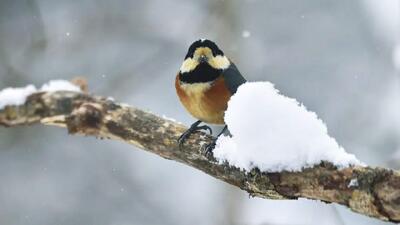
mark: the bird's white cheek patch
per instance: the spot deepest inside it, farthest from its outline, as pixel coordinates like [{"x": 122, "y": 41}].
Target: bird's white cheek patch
[
  {"x": 188, "y": 65},
  {"x": 220, "y": 62}
]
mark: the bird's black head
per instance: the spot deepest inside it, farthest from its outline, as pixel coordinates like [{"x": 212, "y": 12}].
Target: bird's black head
[
  {"x": 203, "y": 62},
  {"x": 203, "y": 43}
]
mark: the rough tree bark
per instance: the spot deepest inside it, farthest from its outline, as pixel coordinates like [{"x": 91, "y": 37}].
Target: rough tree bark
[{"x": 370, "y": 191}]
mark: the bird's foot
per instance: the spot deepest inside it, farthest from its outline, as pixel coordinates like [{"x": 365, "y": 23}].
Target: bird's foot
[
  {"x": 207, "y": 149},
  {"x": 191, "y": 130}
]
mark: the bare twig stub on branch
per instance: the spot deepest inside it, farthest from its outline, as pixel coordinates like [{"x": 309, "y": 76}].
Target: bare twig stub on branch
[{"x": 370, "y": 191}]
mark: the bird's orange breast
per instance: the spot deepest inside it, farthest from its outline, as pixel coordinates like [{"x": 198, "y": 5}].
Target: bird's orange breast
[{"x": 205, "y": 101}]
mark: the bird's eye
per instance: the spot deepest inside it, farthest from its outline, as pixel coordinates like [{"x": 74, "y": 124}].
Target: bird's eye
[
  {"x": 192, "y": 49},
  {"x": 216, "y": 52},
  {"x": 213, "y": 47}
]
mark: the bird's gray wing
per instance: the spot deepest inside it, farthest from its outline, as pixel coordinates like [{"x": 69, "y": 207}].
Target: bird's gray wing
[{"x": 233, "y": 79}]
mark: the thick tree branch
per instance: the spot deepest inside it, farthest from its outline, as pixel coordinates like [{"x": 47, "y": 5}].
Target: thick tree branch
[{"x": 370, "y": 191}]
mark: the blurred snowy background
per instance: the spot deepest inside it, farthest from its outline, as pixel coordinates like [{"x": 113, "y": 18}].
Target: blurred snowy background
[{"x": 337, "y": 57}]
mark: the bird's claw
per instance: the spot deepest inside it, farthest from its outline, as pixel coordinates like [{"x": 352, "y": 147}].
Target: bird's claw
[
  {"x": 205, "y": 127},
  {"x": 188, "y": 132},
  {"x": 182, "y": 138},
  {"x": 207, "y": 149}
]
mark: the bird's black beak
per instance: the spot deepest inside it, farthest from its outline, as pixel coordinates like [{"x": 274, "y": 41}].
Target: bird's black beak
[{"x": 203, "y": 59}]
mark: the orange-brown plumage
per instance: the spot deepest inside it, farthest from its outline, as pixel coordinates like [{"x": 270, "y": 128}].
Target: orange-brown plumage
[
  {"x": 206, "y": 81},
  {"x": 206, "y": 103}
]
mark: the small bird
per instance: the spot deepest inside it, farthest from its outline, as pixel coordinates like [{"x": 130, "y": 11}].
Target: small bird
[{"x": 205, "y": 82}]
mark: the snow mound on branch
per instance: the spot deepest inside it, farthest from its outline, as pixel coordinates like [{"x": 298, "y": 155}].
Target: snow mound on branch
[
  {"x": 274, "y": 133},
  {"x": 17, "y": 96},
  {"x": 59, "y": 85}
]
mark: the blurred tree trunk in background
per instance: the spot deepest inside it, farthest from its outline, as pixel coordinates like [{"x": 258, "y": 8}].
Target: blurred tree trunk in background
[{"x": 28, "y": 24}]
